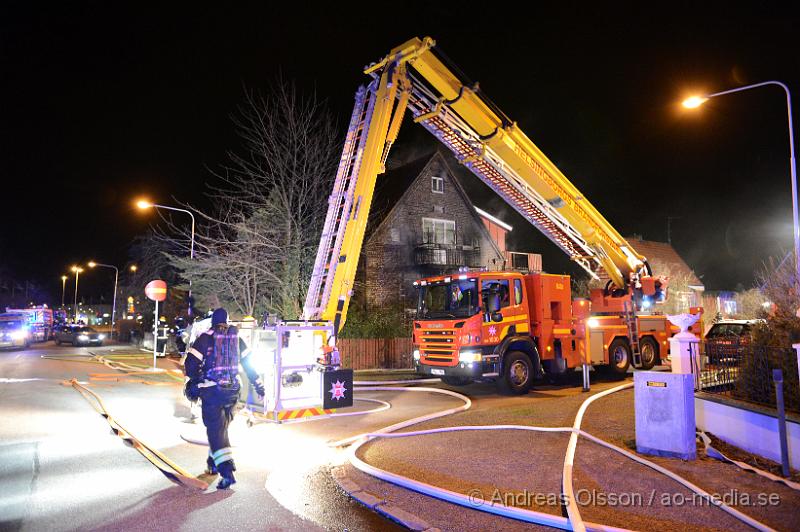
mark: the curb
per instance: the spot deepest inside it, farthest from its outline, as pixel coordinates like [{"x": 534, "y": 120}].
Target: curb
[{"x": 379, "y": 504}]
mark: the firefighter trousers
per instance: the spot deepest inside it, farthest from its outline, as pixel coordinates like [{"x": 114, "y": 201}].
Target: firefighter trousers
[{"x": 218, "y": 405}]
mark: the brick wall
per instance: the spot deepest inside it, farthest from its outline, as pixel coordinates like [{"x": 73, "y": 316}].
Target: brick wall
[{"x": 387, "y": 268}]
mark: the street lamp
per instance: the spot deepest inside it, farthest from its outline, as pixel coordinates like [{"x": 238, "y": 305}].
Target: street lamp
[
  {"x": 144, "y": 204},
  {"x": 63, "y": 287},
  {"x": 92, "y": 264},
  {"x": 78, "y": 270},
  {"x": 696, "y": 101}
]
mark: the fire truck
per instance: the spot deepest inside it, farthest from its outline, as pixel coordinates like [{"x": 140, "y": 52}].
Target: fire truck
[
  {"x": 484, "y": 325},
  {"x": 513, "y": 328},
  {"x": 39, "y": 320}
]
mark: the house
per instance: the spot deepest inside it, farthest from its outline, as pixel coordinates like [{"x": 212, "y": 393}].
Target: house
[
  {"x": 422, "y": 223},
  {"x": 685, "y": 288}
]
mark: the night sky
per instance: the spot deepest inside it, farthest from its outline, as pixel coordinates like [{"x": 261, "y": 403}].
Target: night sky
[{"x": 101, "y": 104}]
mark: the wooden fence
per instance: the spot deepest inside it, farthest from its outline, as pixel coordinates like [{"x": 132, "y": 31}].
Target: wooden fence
[{"x": 371, "y": 353}]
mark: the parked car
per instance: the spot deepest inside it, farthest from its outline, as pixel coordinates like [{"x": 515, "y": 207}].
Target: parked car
[
  {"x": 726, "y": 340},
  {"x": 78, "y": 335}
]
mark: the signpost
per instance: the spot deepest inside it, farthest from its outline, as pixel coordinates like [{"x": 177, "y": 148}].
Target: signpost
[{"x": 155, "y": 291}]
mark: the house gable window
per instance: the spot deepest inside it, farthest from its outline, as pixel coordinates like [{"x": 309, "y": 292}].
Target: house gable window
[
  {"x": 435, "y": 231},
  {"x": 437, "y": 185}
]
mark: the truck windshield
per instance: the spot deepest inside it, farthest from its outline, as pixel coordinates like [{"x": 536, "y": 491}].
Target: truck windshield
[{"x": 457, "y": 299}]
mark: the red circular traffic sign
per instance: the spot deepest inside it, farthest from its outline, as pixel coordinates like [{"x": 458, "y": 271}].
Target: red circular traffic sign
[{"x": 156, "y": 290}]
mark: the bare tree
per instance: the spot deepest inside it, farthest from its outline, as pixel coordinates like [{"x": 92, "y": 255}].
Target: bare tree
[
  {"x": 255, "y": 252},
  {"x": 778, "y": 282}
]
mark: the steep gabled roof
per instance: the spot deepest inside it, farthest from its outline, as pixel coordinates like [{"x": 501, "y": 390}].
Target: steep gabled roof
[
  {"x": 664, "y": 253},
  {"x": 393, "y": 185}
]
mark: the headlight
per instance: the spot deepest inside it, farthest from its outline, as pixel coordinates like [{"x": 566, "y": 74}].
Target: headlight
[
  {"x": 19, "y": 335},
  {"x": 101, "y": 336},
  {"x": 83, "y": 337},
  {"x": 469, "y": 356},
  {"x": 591, "y": 322},
  {"x": 416, "y": 354}
]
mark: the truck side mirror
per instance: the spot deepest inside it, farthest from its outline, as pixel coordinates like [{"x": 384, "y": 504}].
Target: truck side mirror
[
  {"x": 497, "y": 316},
  {"x": 492, "y": 302}
]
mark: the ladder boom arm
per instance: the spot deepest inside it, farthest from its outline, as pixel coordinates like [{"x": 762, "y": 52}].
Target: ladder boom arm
[{"x": 485, "y": 141}]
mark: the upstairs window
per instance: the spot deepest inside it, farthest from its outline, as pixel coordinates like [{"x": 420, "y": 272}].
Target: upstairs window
[
  {"x": 438, "y": 231},
  {"x": 437, "y": 185}
]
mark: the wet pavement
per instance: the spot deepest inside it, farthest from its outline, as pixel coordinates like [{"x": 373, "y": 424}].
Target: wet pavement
[{"x": 61, "y": 468}]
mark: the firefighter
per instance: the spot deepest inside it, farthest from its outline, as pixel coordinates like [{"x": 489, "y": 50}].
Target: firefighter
[{"x": 212, "y": 368}]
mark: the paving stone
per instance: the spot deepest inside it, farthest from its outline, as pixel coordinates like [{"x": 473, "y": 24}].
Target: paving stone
[
  {"x": 368, "y": 499},
  {"x": 403, "y": 517},
  {"x": 348, "y": 485}
]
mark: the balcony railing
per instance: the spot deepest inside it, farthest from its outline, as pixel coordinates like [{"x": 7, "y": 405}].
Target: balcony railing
[{"x": 446, "y": 255}]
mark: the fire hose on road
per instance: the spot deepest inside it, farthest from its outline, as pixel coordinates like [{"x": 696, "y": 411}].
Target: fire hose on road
[
  {"x": 169, "y": 468},
  {"x": 573, "y": 522}
]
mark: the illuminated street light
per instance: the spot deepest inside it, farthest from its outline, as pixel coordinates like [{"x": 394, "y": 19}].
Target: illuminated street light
[
  {"x": 696, "y": 101},
  {"x": 63, "y": 287},
  {"x": 144, "y": 204},
  {"x": 78, "y": 270},
  {"x": 134, "y": 268},
  {"x": 93, "y": 264}
]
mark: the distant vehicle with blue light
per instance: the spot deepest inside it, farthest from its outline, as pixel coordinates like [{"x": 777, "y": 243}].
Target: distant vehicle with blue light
[
  {"x": 39, "y": 320},
  {"x": 14, "y": 331}
]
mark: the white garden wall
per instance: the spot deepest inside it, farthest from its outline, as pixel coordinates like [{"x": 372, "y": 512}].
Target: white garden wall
[{"x": 747, "y": 429}]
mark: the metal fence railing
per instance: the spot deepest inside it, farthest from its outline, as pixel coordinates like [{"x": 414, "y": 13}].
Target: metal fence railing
[{"x": 744, "y": 372}]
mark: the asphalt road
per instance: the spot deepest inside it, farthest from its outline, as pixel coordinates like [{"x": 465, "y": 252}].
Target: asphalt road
[{"x": 61, "y": 467}]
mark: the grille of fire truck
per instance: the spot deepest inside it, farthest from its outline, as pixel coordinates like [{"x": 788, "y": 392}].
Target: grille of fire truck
[
  {"x": 437, "y": 345},
  {"x": 339, "y": 206},
  {"x": 468, "y": 148}
]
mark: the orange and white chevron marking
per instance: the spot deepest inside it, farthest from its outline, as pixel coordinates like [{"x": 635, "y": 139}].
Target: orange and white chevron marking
[{"x": 286, "y": 415}]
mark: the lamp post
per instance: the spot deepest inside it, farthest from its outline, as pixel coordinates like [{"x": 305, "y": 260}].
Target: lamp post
[
  {"x": 77, "y": 271},
  {"x": 92, "y": 264},
  {"x": 143, "y": 204},
  {"x": 697, "y": 101},
  {"x": 63, "y": 288}
]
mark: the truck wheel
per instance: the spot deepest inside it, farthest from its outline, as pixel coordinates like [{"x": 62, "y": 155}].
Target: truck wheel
[
  {"x": 648, "y": 348},
  {"x": 619, "y": 357},
  {"x": 517, "y": 374},
  {"x": 457, "y": 381}
]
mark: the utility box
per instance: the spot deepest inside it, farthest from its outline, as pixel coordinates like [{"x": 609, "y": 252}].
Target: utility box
[{"x": 664, "y": 406}]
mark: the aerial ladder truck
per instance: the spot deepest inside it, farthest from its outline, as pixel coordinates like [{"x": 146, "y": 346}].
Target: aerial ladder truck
[{"x": 542, "y": 330}]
